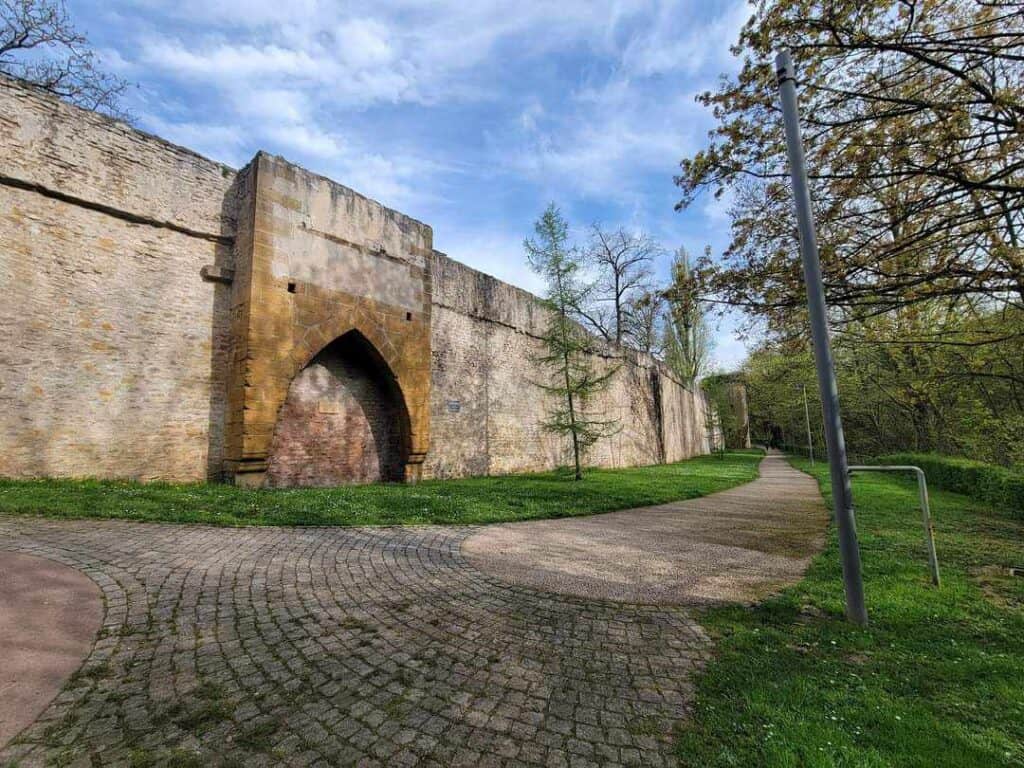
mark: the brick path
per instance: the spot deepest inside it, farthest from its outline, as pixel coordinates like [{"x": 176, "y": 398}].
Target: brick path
[
  {"x": 342, "y": 646},
  {"x": 347, "y": 646}
]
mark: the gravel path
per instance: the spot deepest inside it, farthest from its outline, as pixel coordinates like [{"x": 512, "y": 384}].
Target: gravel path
[{"x": 736, "y": 545}]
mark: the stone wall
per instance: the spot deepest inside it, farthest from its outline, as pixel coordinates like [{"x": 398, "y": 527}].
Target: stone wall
[
  {"x": 113, "y": 348},
  {"x": 487, "y": 411},
  {"x": 166, "y": 317}
]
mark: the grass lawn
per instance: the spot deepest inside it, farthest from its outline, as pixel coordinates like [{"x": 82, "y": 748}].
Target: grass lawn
[
  {"x": 936, "y": 680},
  {"x": 475, "y": 500}
]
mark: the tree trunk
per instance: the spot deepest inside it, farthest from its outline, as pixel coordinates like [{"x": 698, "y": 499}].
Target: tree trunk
[
  {"x": 618, "y": 311},
  {"x": 572, "y": 420}
]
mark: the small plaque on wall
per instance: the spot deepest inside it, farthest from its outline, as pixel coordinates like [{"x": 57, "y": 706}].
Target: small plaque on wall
[{"x": 454, "y": 406}]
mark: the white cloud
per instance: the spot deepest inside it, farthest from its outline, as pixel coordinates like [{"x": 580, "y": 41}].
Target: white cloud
[
  {"x": 363, "y": 43},
  {"x": 226, "y": 63},
  {"x": 496, "y": 252},
  {"x": 220, "y": 142},
  {"x": 432, "y": 107},
  {"x": 309, "y": 141},
  {"x": 529, "y": 117},
  {"x": 677, "y": 43},
  {"x": 277, "y": 104},
  {"x": 607, "y": 141},
  {"x": 372, "y": 52}
]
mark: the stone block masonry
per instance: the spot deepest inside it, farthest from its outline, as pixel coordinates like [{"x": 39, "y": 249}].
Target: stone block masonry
[
  {"x": 487, "y": 412},
  {"x": 113, "y": 350},
  {"x": 167, "y": 317}
]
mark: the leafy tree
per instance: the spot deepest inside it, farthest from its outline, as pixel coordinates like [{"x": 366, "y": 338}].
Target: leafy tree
[
  {"x": 964, "y": 398},
  {"x": 39, "y": 44},
  {"x": 728, "y": 428},
  {"x": 622, "y": 261},
  {"x": 574, "y": 380},
  {"x": 688, "y": 343},
  {"x": 913, "y": 113}
]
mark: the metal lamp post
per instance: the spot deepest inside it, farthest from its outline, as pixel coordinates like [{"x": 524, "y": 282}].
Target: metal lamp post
[
  {"x": 807, "y": 418},
  {"x": 842, "y": 494}
]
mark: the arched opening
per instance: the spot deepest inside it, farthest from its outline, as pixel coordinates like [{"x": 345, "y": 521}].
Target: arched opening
[{"x": 344, "y": 421}]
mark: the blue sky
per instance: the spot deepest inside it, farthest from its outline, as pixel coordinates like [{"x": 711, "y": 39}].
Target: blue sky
[{"x": 470, "y": 115}]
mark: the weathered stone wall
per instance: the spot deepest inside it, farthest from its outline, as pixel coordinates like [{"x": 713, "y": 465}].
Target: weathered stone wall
[
  {"x": 113, "y": 349},
  {"x": 165, "y": 317},
  {"x": 322, "y": 261},
  {"x": 487, "y": 413}
]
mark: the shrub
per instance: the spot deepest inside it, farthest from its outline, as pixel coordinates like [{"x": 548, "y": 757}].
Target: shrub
[{"x": 997, "y": 485}]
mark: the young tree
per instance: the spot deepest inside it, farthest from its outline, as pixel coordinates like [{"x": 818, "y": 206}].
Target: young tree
[
  {"x": 39, "y": 44},
  {"x": 573, "y": 380},
  {"x": 623, "y": 264},
  {"x": 687, "y": 342}
]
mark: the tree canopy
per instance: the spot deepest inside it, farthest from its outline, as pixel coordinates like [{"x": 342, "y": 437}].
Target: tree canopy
[{"x": 912, "y": 113}]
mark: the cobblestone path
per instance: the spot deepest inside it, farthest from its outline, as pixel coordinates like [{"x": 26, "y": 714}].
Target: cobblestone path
[{"x": 335, "y": 646}]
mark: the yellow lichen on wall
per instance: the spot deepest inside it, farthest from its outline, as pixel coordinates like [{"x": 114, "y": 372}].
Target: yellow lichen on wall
[{"x": 322, "y": 261}]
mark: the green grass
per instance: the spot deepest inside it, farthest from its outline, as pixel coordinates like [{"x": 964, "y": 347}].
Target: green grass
[
  {"x": 937, "y": 679},
  {"x": 474, "y": 500}
]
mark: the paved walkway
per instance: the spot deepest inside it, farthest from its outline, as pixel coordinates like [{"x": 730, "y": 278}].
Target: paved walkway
[
  {"x": 49, "y": 616},
  {"x": 736, "y": 545},
  {"x": 335, "y": 646}
]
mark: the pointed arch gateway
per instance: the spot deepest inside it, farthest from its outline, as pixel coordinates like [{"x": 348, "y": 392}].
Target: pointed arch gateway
[
  {"x": 344, "y": 420},
  {"x": 330, "y": 335}
]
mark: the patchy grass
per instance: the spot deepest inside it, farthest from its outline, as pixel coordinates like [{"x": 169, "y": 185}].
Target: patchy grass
[
  {"x": 258, "y": 737},
  {"x": 167, "y": 758},
  {"x": 936, "y": 680},
  {"x": 472, "y": 500}
]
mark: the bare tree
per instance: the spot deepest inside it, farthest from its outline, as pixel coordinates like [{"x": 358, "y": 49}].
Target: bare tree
[
  {"x": 39, "y": 44},
  {"x": 643, "y": 318},
  {"x": 623, "y": 262}
]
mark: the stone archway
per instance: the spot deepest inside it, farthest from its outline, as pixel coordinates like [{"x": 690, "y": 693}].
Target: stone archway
[
  {"x": 315, "y": 261},
  {"x": 343, "y": 421}
]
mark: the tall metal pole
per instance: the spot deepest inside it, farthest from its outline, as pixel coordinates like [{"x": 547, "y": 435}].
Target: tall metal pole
[
  {"x": 842, "y": 495},
  {"x": 807, "y": 416}
]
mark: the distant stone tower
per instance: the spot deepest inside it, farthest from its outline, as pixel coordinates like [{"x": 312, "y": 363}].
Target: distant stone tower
[{"x": 733, "y": 417}]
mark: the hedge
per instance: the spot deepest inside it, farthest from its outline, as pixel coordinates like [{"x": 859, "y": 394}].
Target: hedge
[{"x": 999, "y": 486}]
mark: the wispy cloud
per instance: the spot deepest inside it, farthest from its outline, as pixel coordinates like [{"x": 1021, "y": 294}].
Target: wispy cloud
[{"x": 468, "y": 115}]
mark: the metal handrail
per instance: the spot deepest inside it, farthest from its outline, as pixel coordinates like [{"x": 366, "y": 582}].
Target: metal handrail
[{"x": 922, "y": 492}]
